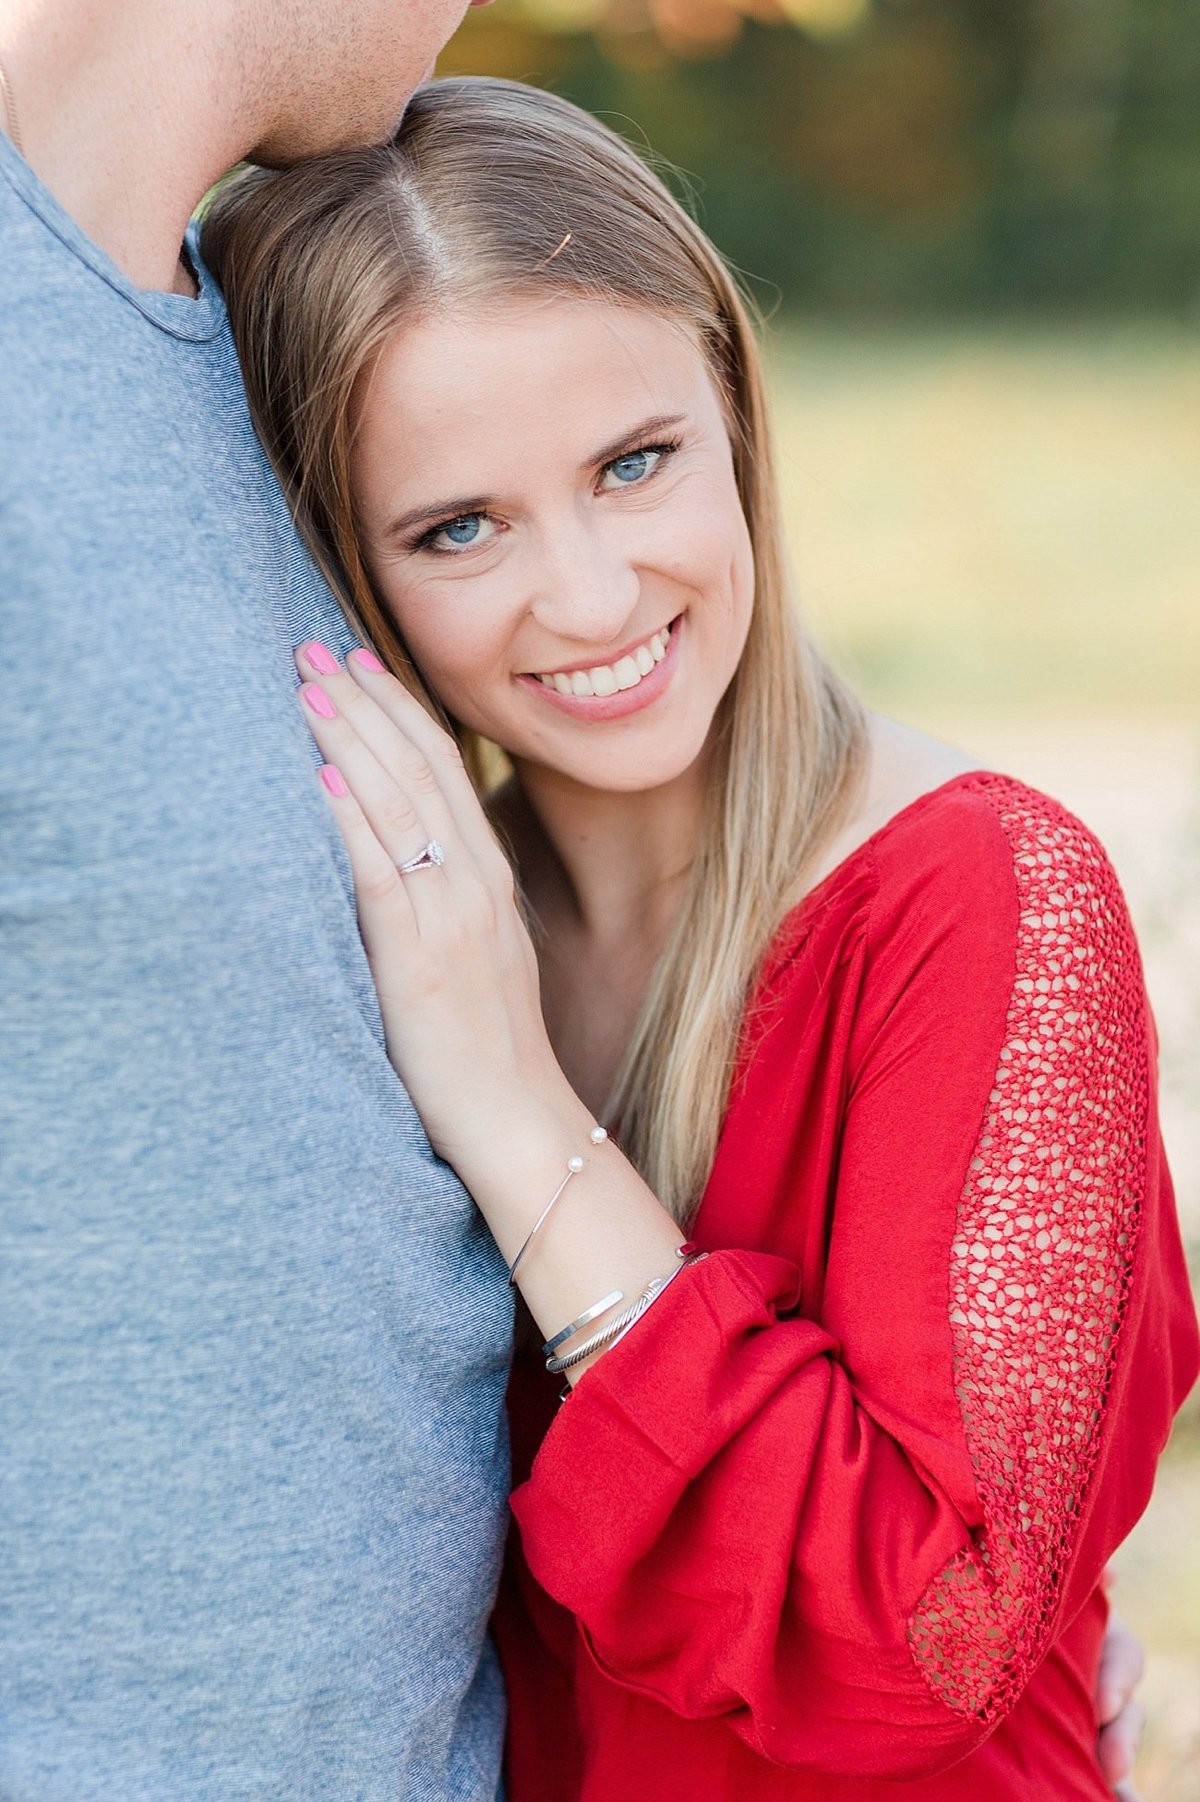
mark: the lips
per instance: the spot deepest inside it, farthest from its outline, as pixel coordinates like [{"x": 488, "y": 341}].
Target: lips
[
  {"x": 558, "y": 688},
  {"x": 604, "y": 679}
]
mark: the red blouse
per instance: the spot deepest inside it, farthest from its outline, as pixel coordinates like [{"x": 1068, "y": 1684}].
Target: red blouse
[{"x": 833, "y": 1516}]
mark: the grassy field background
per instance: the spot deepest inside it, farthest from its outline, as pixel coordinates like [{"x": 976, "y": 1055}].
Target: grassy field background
[{"x": 997, "y": 531}]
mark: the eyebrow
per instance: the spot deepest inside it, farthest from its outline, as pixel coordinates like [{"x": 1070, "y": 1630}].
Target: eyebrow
[
  {"x": 461, "y": 505},
  {"x": 660, "y": 422},
  {"x": 447, "y": 510}
]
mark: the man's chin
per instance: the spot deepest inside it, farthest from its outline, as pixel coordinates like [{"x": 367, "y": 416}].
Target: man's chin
[{"x": 285, "y": 150}]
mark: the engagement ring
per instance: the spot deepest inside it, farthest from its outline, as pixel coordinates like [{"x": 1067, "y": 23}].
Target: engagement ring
[{"x": 428, "y": 859}]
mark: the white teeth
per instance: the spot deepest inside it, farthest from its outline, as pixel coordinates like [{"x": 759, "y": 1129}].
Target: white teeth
[{"x": 610, "y": 679}]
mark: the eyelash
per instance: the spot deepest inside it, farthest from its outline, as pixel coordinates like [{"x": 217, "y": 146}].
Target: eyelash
[
  {"x": 665, "y": 452},
  {"x": 424, "y": 540}
]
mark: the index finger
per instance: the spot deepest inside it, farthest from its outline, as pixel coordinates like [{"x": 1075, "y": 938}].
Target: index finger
[{"x": 441, "y": 753}]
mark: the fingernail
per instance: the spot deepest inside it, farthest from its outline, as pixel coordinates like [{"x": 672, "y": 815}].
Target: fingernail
[
  {"x": 323, "y": 661},
  {"x": 368, "y": 659},
  {"x": 333, "y": 779},
  {"x": 319, "y": 701}
]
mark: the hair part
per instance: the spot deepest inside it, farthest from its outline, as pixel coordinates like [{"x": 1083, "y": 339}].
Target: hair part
[{"x": 494, "y": 188}]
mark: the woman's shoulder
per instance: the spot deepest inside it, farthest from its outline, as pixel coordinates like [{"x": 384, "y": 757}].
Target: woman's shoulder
[
  {"x": 940, "y": 845},
  {"x": 988, "y": 834},
  {"x": 978, "y": 903},
  {"x": 904, "y": 770},
  {"x": 928, "y": 811}
]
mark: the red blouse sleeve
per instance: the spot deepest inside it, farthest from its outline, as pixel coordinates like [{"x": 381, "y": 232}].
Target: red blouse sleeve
[{"x": 852, "y": 1535}]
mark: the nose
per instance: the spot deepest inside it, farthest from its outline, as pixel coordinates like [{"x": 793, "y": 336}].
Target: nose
[{"x": 585, "y": 589}]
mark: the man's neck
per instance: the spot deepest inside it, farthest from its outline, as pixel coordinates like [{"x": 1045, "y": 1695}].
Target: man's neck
[{"x": 128, "y": 125}]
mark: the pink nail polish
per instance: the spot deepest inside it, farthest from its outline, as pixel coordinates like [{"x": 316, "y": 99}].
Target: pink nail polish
[
  {"x": 368, "y": 659},
  {"x": 319, "y": 701},
  {"x": 333, "y": 779},
  {"x": 322, "y": 660}
]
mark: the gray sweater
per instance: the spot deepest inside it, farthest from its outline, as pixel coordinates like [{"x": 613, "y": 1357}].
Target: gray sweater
[{"x": 253, "y": 1336}]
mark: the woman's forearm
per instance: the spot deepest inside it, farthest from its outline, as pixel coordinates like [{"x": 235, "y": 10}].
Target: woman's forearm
[{"x": 606, "y": 1233}]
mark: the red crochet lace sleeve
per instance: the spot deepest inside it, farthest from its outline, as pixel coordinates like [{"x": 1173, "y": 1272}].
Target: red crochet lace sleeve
[
  {"x": 844, "y": 1485},
  {"x": 1040, "y": 1263}
]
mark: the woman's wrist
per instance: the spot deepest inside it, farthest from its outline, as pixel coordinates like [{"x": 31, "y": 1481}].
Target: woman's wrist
[
  {"x": 514, "y": 1150},
  {"x": 572, "y": 1218}
]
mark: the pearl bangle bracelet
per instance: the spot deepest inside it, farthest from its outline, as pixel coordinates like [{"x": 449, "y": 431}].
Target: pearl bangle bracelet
[{"x": 574, "y": 1166}]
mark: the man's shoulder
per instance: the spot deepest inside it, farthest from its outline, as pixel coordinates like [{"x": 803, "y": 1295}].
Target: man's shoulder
[{"x": 27, "y": 279}]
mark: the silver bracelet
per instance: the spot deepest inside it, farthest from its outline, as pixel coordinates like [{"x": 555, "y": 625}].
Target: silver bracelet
[
  {"x": 607, "y": 1334},
  {"x": 617, "y": 1329},
  {"x": 585, "y": 1319},
  {"x": 574, "y": 1166}
]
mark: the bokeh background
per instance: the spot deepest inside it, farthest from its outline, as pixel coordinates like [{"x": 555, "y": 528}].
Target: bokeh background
[{"x": 974, "y": 226}]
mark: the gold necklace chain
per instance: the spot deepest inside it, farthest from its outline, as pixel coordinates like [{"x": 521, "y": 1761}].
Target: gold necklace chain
[{"x": 10, "y": 110}]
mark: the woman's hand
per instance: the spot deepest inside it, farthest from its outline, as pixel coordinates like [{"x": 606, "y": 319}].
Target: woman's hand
[{"x": 453, "y": 964}]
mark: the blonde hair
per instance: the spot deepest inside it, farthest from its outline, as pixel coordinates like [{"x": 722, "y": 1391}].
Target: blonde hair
[{"x": 491, "y": 186}]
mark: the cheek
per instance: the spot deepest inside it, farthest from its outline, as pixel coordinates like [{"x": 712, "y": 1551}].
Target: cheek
[
  {"x": 742, "y": 578},
  {"x": 713, "y": 556},
  {"x": 457, "y": 642}
]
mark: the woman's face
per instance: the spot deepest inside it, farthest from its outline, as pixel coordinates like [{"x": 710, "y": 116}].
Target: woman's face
[{"x": 547, "y": 497}]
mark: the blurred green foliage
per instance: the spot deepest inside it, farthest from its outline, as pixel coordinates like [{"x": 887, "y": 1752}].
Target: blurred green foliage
[{"x": 883, "y": 157}]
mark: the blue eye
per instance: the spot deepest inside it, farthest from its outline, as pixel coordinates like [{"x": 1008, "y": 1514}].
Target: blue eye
[
  {"x": 633, "y": 466},
  {"x": 461, "y": 534}
]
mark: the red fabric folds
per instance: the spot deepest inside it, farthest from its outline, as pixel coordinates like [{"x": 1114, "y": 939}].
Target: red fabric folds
[{"x": 833, "y": 1516}]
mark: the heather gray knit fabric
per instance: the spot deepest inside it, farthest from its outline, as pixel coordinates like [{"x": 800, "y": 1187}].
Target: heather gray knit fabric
[{"x": 253, "y": 1336}]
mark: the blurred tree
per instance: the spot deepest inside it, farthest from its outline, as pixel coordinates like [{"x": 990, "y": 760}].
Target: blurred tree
[{"x": 901, "y": 155}]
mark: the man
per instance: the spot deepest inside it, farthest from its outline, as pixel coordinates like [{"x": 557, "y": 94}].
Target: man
[{"x": 253, "y": 1338}]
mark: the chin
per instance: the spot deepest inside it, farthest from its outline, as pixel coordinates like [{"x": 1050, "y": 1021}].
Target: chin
[
  {"x": 627, "y": 776},
  {"x": 298, "y": 141}
]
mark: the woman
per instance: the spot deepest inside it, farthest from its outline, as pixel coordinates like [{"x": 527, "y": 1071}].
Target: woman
[{"x": 871, "y": 1298}]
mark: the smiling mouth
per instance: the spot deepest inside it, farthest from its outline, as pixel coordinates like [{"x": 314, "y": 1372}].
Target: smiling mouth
[{"x": 612, "y": 678}]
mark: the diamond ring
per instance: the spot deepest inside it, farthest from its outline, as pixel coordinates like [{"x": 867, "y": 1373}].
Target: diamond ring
[{"x": 428, "y": 859}]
